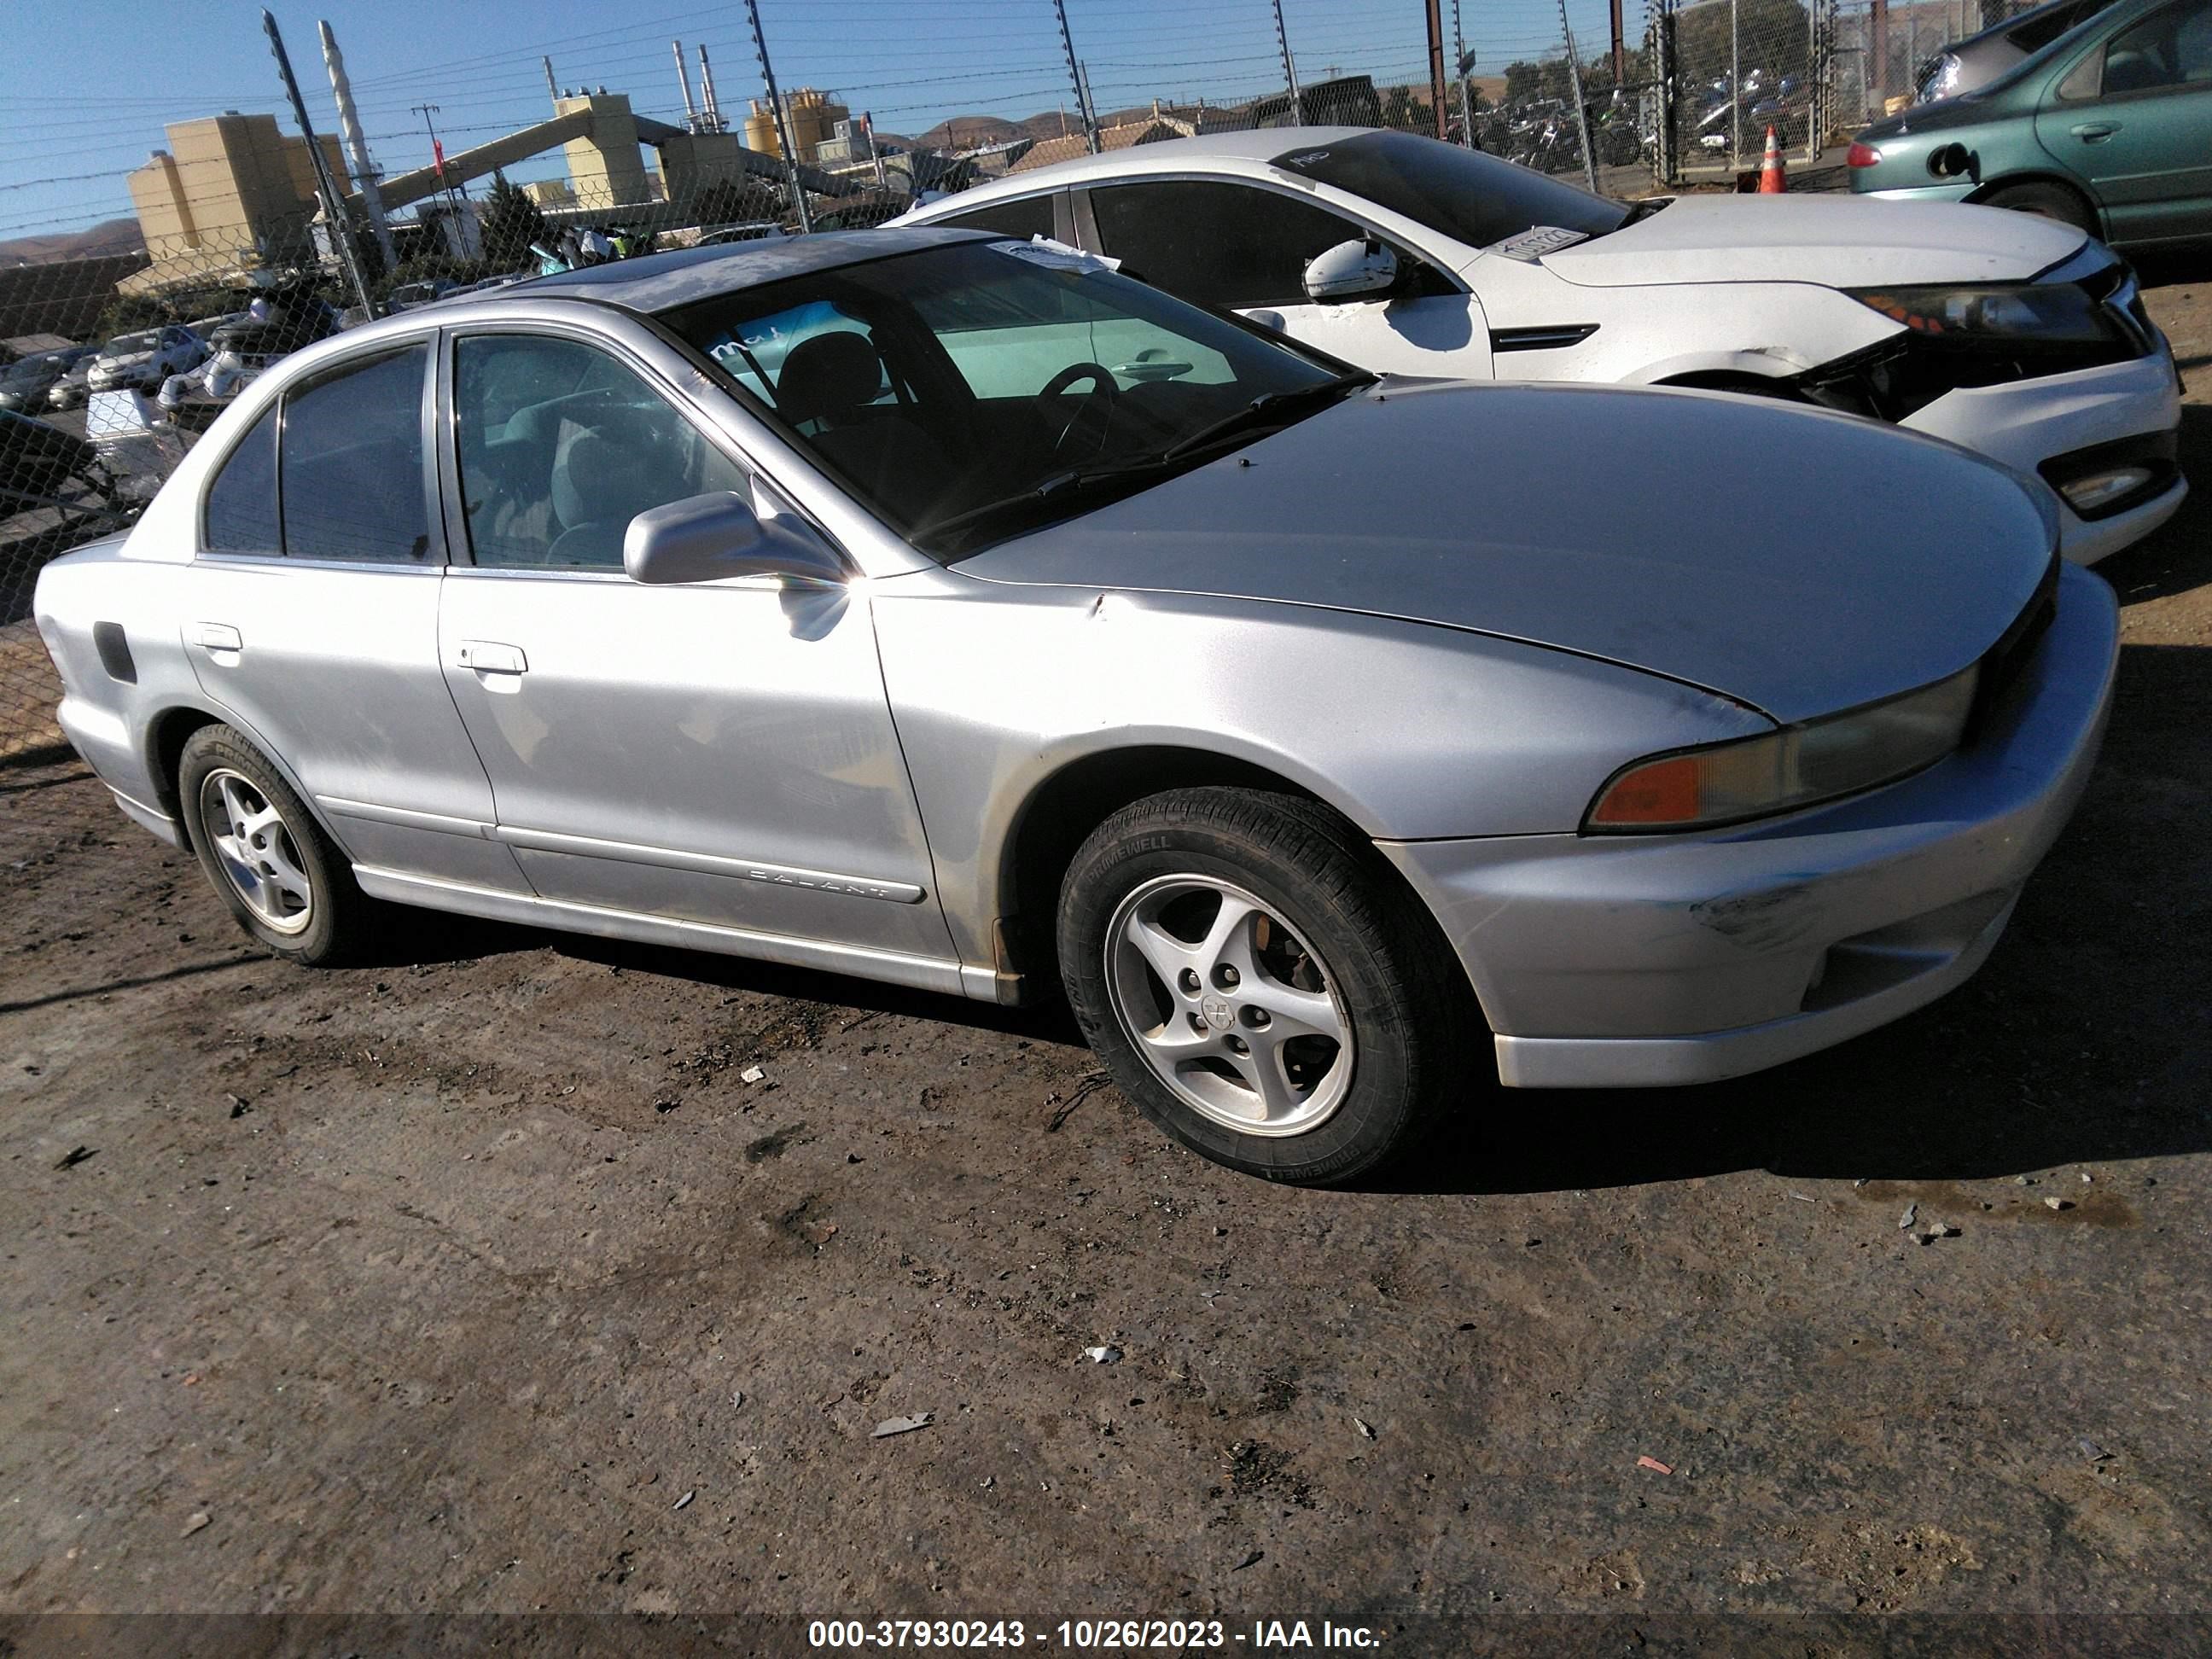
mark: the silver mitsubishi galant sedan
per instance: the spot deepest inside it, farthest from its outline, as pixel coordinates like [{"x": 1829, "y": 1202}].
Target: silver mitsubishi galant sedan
[{"x": 951, "y": 611}]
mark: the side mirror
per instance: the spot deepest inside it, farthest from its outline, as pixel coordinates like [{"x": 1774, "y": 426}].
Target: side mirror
[
  {"x": 1351, "y": 270},
  {"x": 705, "y": 539}
]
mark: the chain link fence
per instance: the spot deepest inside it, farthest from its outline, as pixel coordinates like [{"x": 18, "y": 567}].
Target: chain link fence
[
  {"x": 1725, "y": 73},
  {"x": 1884, "y": 49},
  {"x": 114, "y": 364}
]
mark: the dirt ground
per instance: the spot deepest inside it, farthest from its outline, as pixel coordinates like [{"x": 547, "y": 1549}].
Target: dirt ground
[{"x": 483, "y": 1282}]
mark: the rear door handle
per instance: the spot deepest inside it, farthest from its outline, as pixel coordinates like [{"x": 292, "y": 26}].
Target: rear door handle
[
  {"x": 219, "y": 636},
  {"x": 491, "y": 657},
  {"x": 2090, "y": 132}
]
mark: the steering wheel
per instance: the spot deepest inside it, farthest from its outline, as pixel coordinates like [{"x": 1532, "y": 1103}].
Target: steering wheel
[{"x": 1097, "y": 408}]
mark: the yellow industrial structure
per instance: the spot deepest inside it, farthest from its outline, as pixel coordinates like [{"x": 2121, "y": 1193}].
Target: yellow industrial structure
[
  {"x": 604, "y": 168},
  {"x": 230, "y": 190},
  {"x": 813, "y": 116}
]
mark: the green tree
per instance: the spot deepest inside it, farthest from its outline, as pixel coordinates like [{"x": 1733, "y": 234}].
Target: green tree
[
  {"x": 1547, "y": 78},
  {"x": 127, "y": 312},
  {"x": 1771, "y": 36},
  {"x": 508, "y": 224}
]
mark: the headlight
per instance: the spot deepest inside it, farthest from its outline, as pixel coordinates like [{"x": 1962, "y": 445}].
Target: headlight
[
  {"x": 1941, "y": 78},
  {"x": 1782, "y": 771},
  {"x": 2017, "y": 315}
]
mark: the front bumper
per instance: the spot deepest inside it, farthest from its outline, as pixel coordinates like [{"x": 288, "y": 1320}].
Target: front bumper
[
  {"x": 2025, "y": 423},
  {"x": 1609, "y": 961}
]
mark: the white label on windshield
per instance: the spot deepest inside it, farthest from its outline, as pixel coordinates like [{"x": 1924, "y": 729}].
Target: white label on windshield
[
  {"x": 1057, "y": 256},
  {"x": 1534, "y": 243}
]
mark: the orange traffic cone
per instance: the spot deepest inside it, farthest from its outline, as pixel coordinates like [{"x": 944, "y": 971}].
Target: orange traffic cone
[{"x": 1773, "y": 180}]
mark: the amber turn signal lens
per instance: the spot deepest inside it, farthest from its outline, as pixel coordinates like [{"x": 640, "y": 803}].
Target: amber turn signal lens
[{"x": 1665, "y": 792}]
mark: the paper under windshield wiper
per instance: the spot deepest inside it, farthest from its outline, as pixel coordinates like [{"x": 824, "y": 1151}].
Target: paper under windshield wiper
[{"x": 1268, "y": 410}]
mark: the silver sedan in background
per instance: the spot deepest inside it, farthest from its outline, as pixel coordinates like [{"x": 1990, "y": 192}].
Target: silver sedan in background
[{"x": 953, "y": 611}]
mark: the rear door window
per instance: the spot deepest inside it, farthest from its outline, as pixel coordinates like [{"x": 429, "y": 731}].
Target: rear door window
[
  {"x": 1218, "y": 244},
  {"x": 350, "y": 479},
  {"x": 2169, "y": 48}
]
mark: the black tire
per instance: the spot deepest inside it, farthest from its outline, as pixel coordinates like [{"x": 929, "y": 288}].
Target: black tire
[
  {"x": 338, "y": 923},
  {"x": 1397, "y": 985},
  {"x": 2047, "y": 200}
]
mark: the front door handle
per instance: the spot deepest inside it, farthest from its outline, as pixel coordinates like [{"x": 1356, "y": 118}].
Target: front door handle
[
  {"x": 219, "y": 636},
  {"x": 2091, "y": 132},
  {"x": 491, "y": 657}
]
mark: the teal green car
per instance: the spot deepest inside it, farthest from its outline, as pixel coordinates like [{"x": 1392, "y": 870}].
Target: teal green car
[{"x": 2109, "y": 128}]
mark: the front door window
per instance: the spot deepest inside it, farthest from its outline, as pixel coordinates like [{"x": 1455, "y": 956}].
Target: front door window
[{"x": 560, "y": 447}]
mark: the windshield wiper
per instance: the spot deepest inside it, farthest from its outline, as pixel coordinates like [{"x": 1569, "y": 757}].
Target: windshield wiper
[
  {"x": 1270, "y": 409},
  {"x": 1017, "y": 507}
]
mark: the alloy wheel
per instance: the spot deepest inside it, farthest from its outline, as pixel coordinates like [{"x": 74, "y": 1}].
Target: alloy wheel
[
  {"x": 256, "y": 850},
  {"x": 1229, "y": 1007}
]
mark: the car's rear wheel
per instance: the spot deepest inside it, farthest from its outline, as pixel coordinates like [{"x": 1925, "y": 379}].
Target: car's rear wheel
[
  {"x": 268, "y": 860},
  {"x": 1260, "y": 986},
  {"x": 2047, "y": 200}
]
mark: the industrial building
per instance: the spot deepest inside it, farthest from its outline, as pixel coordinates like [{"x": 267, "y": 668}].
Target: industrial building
[{"x": 230, "y": 189}]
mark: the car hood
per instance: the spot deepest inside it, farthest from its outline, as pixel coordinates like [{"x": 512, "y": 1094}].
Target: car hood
[
  {"x": 1837, "y": 241},
  {"x": 1794, "y": 560}
]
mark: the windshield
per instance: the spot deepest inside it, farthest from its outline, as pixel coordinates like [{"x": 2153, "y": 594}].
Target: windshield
[
  {"x": 955, "y": 379},
  {"x": 1473, "y": 198},
  {"x": 123, "y": 345}
]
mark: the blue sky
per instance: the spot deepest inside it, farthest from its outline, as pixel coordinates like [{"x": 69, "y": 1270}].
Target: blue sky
[{"x": 87, "y": 83}]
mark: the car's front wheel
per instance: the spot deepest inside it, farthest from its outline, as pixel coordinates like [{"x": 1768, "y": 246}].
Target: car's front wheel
[
  {"x": 1259, "y": 987},
  {"x": 266, "y": 856},
  {"x": 2047, "y": 200}
]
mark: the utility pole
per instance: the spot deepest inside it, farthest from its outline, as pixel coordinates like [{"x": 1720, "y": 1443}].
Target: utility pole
[
  {"x": 1436, "y": 63},
  {"x": 1735, "y": 80},
  {"x": 1582, "y": 109},
  {"x": 334, "y": 213},
  {"x": 782, "y": 124},
  {"x": 552, "y": 87},
  {"x": 1619, "y": 52},
  {"x": 1075, "y": 79},
  {"x": 1290, "y": 68},
  {"x": 356, "y": 147},
  {"x": 1460, "y": 67},
  {"x": 438, "y": 156}
]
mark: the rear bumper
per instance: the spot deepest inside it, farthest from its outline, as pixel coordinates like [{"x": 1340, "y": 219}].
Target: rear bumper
[
  {"x": 1607, "y": 962},
  {"x": 2027, "y": 423},
  {"x": 103, "y": 739}
]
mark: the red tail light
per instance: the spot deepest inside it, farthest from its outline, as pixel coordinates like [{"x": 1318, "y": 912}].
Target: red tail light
[{"x": 1861, "y": 155}]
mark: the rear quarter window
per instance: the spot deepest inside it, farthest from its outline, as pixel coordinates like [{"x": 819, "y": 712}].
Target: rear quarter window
[{"x": 241, "y": 502}]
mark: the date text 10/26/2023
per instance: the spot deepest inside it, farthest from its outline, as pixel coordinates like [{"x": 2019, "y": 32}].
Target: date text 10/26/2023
[{"x": 1091, "y": 1635}]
